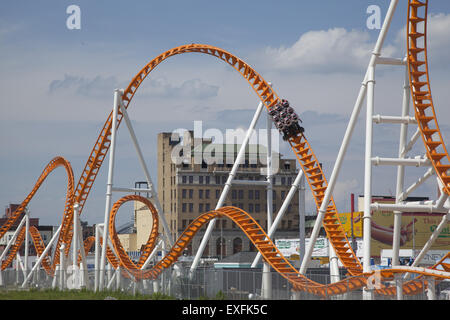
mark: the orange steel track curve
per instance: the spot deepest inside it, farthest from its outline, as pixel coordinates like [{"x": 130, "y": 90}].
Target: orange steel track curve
[
  {"x": 260, "y": 240},
  {"x": 67, "y": 218},
  {"x": 301, "y": 147}
]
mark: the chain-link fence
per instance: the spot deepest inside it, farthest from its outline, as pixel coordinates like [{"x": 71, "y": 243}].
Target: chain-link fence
[{"x": 204, "y": 283}]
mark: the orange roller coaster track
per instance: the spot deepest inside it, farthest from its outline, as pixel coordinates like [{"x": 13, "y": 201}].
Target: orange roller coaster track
[{"x": 425, "y": 115}]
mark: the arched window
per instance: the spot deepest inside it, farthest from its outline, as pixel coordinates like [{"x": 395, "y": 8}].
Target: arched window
[{"x": 237, "y": 245}]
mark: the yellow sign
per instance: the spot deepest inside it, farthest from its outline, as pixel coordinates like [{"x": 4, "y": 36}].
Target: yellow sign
[{"x": 346, "y": 222}]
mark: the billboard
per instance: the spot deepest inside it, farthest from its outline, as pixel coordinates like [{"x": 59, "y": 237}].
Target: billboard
[
  {"x": 291, "y": 247},
  {"x": 346, "y": 222},
  {"x": 416, "y": 229}
]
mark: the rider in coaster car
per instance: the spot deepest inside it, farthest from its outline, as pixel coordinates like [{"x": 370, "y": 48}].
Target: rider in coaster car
[{"x": 286, "y": 120}]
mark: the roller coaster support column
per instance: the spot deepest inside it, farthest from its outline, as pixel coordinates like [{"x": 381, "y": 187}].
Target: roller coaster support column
[
  {"x": 96, "y": 256},
  {"x": 298, "y": 184},
  {"x": 44, "y": 254},
  {"x": 401, "y": 171},
  {"x": 266, "y": 289},
  {"x": 154, "y": 194},
  {"x": 334, "y": 266},
  {"x": 109, "y": 188},
  {"x": 62, "y": 266},
  {"x": 368, "y": 170},
  {"x": 226, "y": 189},
  {"x": 302, "y": 214},
  {"x": 431, "y": 288},
  {"x": 75, "y": 240},
  {"x": 83, "y": 264},
  {"x": 27, "y": 237}
]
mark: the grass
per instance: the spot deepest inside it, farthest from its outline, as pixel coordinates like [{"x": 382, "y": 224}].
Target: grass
[{"x": 54, "y": 294}]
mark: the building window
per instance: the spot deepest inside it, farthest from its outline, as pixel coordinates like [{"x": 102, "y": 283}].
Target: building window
[
  {"x": 183, "y": 193},
  {"x": 184, "y": 179},
  {"x": 257, "y": 208},
  {"x": 274, "y": 194},
  {"x": 200, "y": 193},
  {"x": 224, "y": 179},
  {"x": 256, "y": 194},
  {"x": 233, "y": 194},
  {"x": 283, "y": 193},
  {"x": 217, "y": 193},
  {"x": 207, "y": 179},
  {"x": 207, "y": 207},
  {"x": 287, "y": 166},
  {"x": 250, "y": 194},
  {"x": 207, "y": 194},
  {"x": 289, "y": 180},
  {"x": 204, "y": 165},
  {"x": 200, "y": 207},
  {"x": 191, "y": 179},
  {"x": 191, "y": 207},
  {"x": 200, "y": 179},
  {"x": 184, "y": 224},
  {"x": 283, "y": 180},
  {"x": 241, "y": 194},
  {"x": 217, "y": 179},
  {"x": 191, "y": 193},
  {"x": 237, "y": 245},
  {"x": 183, "y": 207},
  {"x": 250, "y": 207}
]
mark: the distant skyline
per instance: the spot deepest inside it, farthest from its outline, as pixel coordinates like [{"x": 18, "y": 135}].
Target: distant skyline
[{"x": 57, "y": 84}]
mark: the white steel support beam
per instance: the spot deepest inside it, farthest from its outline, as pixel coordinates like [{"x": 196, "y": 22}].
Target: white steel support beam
[
  {"x": 83, "y": 266},
  {"x": 266, "y": 289},
  {"x": 427, "y": 206},
  {"x": 226, "y": 189},
  {"x": 75, "y": 239},
  {"x": 411, "y": 143},
  {"x": 394, "y": 120},
  {"x": 368, "y": 171},
  {"x": 109, "y": 185},
  {"x": 302, "y": 214},
  {"x": 116, "y": 189},
  {"x": 416, "y": 184},
  {"x": 27, "y": 239},
  {"x": 414, "y": 162},
  {"x": 96, "y": 256},
  {"x": 400, "y": 171},
  {"x": 62, "y": 266}
]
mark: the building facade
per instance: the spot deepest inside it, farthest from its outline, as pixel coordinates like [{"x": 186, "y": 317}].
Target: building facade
[{"x": 193, "y": 186}]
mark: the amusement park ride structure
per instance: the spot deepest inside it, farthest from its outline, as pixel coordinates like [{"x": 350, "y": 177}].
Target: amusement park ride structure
[{"x": 109, "y": 251}]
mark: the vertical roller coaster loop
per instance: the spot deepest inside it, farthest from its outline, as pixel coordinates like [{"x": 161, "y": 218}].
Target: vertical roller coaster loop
[{"x": 428, "y": 126}]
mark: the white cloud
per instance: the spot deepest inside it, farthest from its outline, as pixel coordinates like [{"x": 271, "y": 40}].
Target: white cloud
[{"x": 332, "y": 50}]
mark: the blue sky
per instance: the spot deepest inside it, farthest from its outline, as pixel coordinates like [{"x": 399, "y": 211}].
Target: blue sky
[{"x": 57, "y": 83}]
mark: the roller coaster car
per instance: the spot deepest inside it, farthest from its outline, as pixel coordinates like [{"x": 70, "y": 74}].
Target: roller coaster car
[{"x": 286, "y": 120}]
